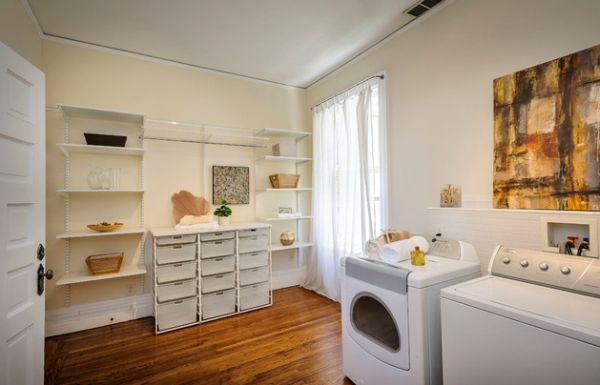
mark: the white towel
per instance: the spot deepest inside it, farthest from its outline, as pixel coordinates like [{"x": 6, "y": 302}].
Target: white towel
[
  {"x": 198, "y": 226},
  {"x": 400, "y": 250}
]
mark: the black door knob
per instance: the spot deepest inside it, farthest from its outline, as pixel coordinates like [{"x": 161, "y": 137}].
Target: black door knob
[{"x": 49, "y": 274}]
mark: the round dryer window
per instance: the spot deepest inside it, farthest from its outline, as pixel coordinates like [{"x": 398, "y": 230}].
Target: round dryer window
[{"x": 371, "y": 318}]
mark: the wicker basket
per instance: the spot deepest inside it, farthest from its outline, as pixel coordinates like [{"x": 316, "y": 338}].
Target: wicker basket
[
  {"x": 284, "y": 180},
  {"x": 104, "y": 263}
]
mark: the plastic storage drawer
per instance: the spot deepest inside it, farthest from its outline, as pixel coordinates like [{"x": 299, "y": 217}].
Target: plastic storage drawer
[
  {"x": 254, "y": 243},
  {"x": 174, "y": 239},
  {"x": 218, "y": 303},
  {"x": 176, "y": 290},
  {"x": 177, "y": 313},
  {"x": 217, "y": 236},
  {"x": 254, "y": 296},
  {"x": 256, "y": 259},
  {"x": 176, "y": 272},
  {"x": 253, "y": 232},
  {"x": 256, "y": 275},
  {"x": 175, "y": 253},
  {"x": 217, "y": 248},
  {"x": 218, "y": 282},
  {"x": 218, "y": 265}
]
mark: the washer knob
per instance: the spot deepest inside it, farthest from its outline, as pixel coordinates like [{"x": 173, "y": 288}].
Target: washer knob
[
  {"x": 524, "y": 263},
  {"x": 565, "y": 270},
  {"x": 506, "y": 260},
  {"x": 543, "y": 266}
]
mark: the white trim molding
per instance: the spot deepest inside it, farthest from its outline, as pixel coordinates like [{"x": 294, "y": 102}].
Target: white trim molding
[{"x": 88, "y": 316}]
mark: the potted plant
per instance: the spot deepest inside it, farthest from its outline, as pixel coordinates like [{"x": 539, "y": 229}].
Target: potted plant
[{"x": 223, "y": 213}]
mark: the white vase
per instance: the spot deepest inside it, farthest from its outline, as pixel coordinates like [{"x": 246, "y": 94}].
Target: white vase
[{"x": 223, "y": 221}]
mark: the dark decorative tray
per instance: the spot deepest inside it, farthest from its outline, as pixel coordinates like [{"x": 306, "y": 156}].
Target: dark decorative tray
[{"x": 105, "y": 140}]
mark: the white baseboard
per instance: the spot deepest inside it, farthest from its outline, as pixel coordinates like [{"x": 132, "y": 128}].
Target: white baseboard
[
  {"x": 81, "y": 317},
  {"x": 288, "y": 278}
]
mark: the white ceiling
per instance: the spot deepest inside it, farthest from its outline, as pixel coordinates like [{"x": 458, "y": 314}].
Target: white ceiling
[{"x": 291, "y": 42}]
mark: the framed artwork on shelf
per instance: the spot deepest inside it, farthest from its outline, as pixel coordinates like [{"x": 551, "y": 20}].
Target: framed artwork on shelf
[{"x": 231, "y": 184}]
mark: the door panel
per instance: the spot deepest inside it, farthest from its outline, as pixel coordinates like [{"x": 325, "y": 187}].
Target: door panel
[{"x": 22, "y": 219}]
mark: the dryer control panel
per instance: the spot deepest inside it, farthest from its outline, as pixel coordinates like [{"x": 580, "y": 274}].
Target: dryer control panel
[{"x": 568, "y": 272}]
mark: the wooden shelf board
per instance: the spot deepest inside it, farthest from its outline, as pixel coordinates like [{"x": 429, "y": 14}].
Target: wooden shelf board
[
  {"x": 91, "y": 234},
  {"x": 277, "y": 219},
  {"x": 85, "y": 276},
  {"x": 295, "y": 159},
  {"x": 68, "y": 148},
  {"x": 283, "y": 133},
  {"x": 296, "y": 245},
  {"x": 77, "y": 191},
  {"x": 95, "y": 113}
]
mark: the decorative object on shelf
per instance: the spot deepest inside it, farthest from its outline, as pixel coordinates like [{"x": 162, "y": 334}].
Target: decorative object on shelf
[
  {"x": 115, "y": 177},
  {"x": 231, "y": 184},
  {"x": 223, "y": 213},
  {"x": 105, "y": 140},
  {"x": 288, "y": 212},
  {"x": 186, "y": 204},
  {"x": 100, "y": 178},
  {"x": 94, "y": 178},
  {"x": 104, "y": 263},
  {"x": 450, "y": 196},
  {"x": 105, "y": 227},
  {"x": 284, "y": 180},
  {"x": 285, "y": 210},
  {"x": 285, "y": 149},
  {"x": 287, "y": 238},
  {"x": 546, "y": 135},
  {"x": 373, "y": 246}
]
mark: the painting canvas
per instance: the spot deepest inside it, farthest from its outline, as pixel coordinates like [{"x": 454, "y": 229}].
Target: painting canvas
[
  {"x": 547, "y": 135},
  {"x": 231, "y": 184}
]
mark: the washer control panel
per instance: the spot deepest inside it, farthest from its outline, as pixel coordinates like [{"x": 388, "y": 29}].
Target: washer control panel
[{"x": 567, "y": 272}]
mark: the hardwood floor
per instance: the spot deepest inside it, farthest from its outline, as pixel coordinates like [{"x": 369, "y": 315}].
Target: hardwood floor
[{"x": 297, "y": 341}]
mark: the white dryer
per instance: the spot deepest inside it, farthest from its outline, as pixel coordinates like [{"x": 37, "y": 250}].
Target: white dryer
[
  {"x": 535, "y": 319},
  {"x": 390, "y": 314}
]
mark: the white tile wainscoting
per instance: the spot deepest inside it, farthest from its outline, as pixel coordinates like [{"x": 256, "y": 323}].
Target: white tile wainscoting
[{"x": 486, "y": 228}]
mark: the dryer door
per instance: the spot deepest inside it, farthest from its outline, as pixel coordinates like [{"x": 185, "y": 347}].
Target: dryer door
[{"x": 376, "y": 318}]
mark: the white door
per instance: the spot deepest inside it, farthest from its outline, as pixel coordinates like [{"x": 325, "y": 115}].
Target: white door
[{"x": 22, "y": 220}]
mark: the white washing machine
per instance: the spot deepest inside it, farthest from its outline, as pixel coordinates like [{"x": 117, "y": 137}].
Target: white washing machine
[
  {"x": 390, "y": 314},
  {"x": 535, "y": 319}
]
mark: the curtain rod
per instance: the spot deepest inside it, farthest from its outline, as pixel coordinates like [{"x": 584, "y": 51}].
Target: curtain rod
[
  {"x": 349, "y": 88},
  {"x": 203, "y": 142}
]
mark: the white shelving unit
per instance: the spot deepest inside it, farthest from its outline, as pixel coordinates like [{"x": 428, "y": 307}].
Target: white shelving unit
[
  {"x": 302, "y": 242},
  {"x": 97, "y": 120}
]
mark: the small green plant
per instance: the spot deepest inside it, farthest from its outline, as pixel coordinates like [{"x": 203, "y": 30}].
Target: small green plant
[{"x": 223, "y": 211}]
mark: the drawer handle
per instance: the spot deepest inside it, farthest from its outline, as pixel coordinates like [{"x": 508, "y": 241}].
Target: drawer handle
[
  {"x": 219, "y": 293},
  {"x": 252, "y": 229},
  {"x": 254, "y": 254},
  {"x": 177, "y": 237},
  {"x": 219, "y": 243},
  {"x": 255, "y": 286},
  {"x": 178, "y": 265},
  {"x": 254, "y": 238},
  {"x": 178, "y": 284},
  {"x": 218, "y": 233},
  {"x": 177, "y": 247},
  {"x": 218, "y": 259},
  {"x": 218, "y": 276},
  {"x": 178, "y": 302}
]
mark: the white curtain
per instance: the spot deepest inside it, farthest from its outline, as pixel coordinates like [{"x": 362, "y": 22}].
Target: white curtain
[{"x": 349, "y": 180}]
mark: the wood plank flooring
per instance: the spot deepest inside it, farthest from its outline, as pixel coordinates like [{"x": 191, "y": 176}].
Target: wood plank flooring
[{"x": 297, "y": 341}]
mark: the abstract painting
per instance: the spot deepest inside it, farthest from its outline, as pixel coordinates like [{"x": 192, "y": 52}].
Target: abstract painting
[
  {"x": 547, "y": 135},
  {"x": 231, "y": 184}
]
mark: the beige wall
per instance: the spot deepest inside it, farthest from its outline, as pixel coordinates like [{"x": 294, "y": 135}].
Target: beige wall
[
  {"x": 90, "y": 77},
  {"x": 18, "y": 31},
  {"x": 439, "y": 78}
]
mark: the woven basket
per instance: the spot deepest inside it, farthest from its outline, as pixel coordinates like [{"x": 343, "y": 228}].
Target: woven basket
[
  {"x": 284, "y": 180},
  {"x": 104, "y": 263}
]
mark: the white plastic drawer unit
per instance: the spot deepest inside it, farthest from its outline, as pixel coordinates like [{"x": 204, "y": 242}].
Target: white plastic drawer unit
[
  {"x": 253, "y": 243},
  {"x": 176, "y": 290},
  {"x": 218, "y": 304},
  {"x": 218, "y": 282},
  {"x": 175, "y": 253},
  {"x": 217, "y": 236},
  {"x": 176, "y": 272},
  {"x": 254, "y": 296},
  {"x": 253, "y": 232},
  {"x": 218, "y": 265},
  {"x": 177, "y": 313},
  {"x": 174, "y": 239},
  {"x": 221, "y": 248},
  {"x": 255, "y": 275},
  {"x": 255, "y": 259}
]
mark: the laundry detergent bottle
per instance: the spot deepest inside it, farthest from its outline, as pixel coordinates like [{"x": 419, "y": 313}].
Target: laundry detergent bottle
[{"x": 417, "y": 257}]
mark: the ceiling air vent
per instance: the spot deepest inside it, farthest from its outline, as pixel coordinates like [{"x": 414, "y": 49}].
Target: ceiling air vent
[{"x": 421, "y": 7}]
